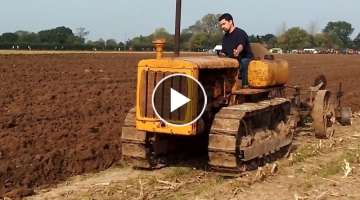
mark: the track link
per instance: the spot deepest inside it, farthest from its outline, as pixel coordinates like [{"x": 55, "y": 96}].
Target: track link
[
  {"x": 136, "y": 145},
  {"x": 244, "y": 136}
]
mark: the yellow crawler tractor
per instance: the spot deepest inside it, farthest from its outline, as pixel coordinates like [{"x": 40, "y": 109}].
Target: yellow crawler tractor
[
  {"x": 238, "y": 128},
  {"x": 241, "y": 127}
]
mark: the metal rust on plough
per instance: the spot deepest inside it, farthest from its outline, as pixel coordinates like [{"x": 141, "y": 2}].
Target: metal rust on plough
[{"x": 317, "y": 104}]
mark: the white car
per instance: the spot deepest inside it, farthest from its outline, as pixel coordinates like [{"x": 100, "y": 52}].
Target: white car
[
  {"x": 276, "y": 51},
  {"x": 217, "y": 49},
  {"x": 311, "y": 51}
]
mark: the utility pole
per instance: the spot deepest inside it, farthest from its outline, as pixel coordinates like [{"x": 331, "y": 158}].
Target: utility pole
[{"x": 177, "y": 27}]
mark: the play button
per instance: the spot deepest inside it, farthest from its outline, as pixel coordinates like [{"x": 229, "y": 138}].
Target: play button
[{"x": 179, "y": 100}]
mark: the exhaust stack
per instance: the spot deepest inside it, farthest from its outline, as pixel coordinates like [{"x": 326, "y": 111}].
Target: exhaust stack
[{"x": 177, "y": 27}]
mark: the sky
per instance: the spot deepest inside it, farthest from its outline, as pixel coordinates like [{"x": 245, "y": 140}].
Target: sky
[{"x": 124, "y": 19}]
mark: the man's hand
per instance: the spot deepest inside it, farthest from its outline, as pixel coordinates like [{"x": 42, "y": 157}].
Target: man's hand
[
  {"x": 221, "y": 54},
  {"x": 236, "y": 53},
  {"x": 238, "y": 50}
]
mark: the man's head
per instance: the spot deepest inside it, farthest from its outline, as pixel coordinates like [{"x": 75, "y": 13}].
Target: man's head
[{"x": 226, "y": 22}]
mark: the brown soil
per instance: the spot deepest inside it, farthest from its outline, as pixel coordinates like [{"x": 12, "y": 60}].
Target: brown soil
[
  {"x": 61, "y": 115},
  {"x": 315, "y": 169}
]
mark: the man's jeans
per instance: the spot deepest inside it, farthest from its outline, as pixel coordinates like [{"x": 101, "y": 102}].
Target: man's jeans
[{"x": 244, "y": 64}]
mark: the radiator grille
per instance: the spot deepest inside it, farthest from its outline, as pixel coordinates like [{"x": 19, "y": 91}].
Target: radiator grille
[{"x": 149, "y": 80}]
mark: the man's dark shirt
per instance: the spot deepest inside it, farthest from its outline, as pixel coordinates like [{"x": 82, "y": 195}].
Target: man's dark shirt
[{"x": 232, "y": 40}]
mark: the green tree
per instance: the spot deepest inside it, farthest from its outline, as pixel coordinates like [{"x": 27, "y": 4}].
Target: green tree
[
  {"x": 321, "y": 40},
  {"x": 294, "y": 38},
  {"x": 255, "y": 39},
  {"x": 333, "y": 41},
  {"x": 111, "y": 44},
  {"x": 90, "y": 43},
  {"x": 121, "y": 46},
  {"x": 59, "y": 35},
  {"x": 206, "y": 28},
  {"x": 270, "y": 40},
  {"x": 9, "y": 38},
  {"x": 81, "y": 32},
  {"x": 27, "y": 37},
  {"x": 198, "y": 42},
  {"x": 208, "y": 24},
  {"x": 204, "y": 34},
  {"x": 312, "y": 29},
  {"x": 357, "y": 42},
  {"x": 21, "y": 33},
  {"x": 141, "y": 43},
  {"x": 100, "y": 44},
  {"x": 164, "y": 34},
  {"x": 339, "y": 32},
  {"x": 185, "y": 37},
  {"x": 161, "y": 33}
]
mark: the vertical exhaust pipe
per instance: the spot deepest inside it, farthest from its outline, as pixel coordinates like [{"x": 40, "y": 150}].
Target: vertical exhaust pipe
[{"x": 177, "y": 27}]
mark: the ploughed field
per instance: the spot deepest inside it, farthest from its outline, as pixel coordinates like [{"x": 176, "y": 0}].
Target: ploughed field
[{"x": 61, "y": 114}]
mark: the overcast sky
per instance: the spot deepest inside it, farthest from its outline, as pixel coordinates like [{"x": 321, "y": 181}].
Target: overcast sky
[{"x": 123, "y": 19}]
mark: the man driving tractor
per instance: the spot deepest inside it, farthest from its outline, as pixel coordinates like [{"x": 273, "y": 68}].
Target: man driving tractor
[{"x": 236, "y": 45}]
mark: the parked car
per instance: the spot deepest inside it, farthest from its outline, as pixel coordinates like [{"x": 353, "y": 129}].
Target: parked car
[
  {"x": 276, "y": 51},
  {"x": 311, "y": 51},
  {"x": 217, "y": 49}
]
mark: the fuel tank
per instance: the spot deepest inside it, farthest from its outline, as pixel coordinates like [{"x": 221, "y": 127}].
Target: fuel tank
[{"x": 268, "y": 73}]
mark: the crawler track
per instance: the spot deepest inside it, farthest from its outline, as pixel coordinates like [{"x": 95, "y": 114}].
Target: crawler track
[
  {"x": 141, "y": 149},
  {"x": 135, "y": 145},
  {"x": 242, "y": 137},
  {"x": 245, "y": 136}
]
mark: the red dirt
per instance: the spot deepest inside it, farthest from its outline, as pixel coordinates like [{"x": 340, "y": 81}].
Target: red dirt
[{"x": 61, "y": 115}]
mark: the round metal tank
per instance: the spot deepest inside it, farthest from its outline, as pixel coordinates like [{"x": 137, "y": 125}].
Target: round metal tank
[{"x": 267, "y": 73}]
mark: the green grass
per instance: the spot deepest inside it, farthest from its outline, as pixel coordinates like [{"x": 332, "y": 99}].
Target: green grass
[
  {"x": 336, "y": 166},
  {"x": 304, "y": 153},
  {"x": 353, "y": 155},
  {"x": 178, "y": 172},
  {"x": 330, "y": 168}
]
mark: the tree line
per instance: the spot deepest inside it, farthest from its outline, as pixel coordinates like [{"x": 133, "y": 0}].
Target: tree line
[
  {"x": 59, "y": 38},
  {"x": 202, "y": 35},
  {"x": 205, "y": 34}
]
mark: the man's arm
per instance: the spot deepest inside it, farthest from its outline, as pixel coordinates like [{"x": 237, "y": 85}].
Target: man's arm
[
  {"x": 241, "y": 41},
  {"x": 238, "y": 50}
]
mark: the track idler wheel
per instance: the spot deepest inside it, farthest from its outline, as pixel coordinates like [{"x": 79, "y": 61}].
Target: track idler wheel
[{"x": 323, "y": 114}]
